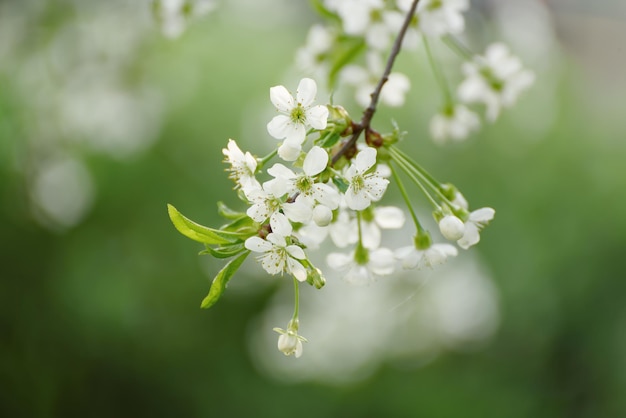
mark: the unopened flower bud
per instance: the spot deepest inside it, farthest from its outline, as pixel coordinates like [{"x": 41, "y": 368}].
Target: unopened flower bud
[
  {"x": 452, "y": 227},
  {"x": 322, "y": 215},
  {"x": 289, "y": 344}
]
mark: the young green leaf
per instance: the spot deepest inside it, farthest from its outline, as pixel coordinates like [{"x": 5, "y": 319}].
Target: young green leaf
[
  {"x": 198, "y": 232},
  {"x": 226, "y": 212},
  {"x": 224, "y": 252},
  {"x": 221, "y": 280}
]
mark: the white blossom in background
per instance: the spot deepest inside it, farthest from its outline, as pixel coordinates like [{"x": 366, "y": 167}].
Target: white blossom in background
[
  {"x": 242, "y": 166},
  {"x": 365, "y": 187},
  {"x": 495, "y": 79},
  {"x": 297, "y": 115},
  {"x": 380, "y": 262},
  {"x": 365, "y": 80},
  {"x": 310, "y": 57},
  {"x": 62, "y": 192},
  {"x": 76, "y": 96},
  {"x": 410, "y": 257},
  {"x": 441, "y": 17},
  {"x": 355, "y": 330},
  {"x": 279, "y": 256},
  {"x": 384, "y": 217},
  {"x": 478, "y": 219},
  {"x": 455, "y": 124},
  {"x": 174, "y": 15}
]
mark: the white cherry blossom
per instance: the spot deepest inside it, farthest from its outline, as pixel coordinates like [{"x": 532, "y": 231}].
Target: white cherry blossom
[
  {"x": 289, "y": 342},
  {"x": 311, "y": 57},
  {"x": 266, "y": 201},
  {"x": 364, "y": 186},
  {"x": 366, "y": 79},
  {"x": 304, "y": 184},
  {"x": 430, "y": 257},
  {"x": 455, "y": 123},
  {"x": 297, "y": 115},
  {"x": 441, "y": 17},
  {"x": 279, "y": 256},
  {"x": 380, "y": 262},
  {"x": 242, "y": 166},
  {"x": 383, "y": 217},
  {"x": 495, "y": 79}
]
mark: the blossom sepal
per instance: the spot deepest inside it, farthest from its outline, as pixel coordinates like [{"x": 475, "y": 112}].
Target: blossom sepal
[{"x": 221, "y": 280}]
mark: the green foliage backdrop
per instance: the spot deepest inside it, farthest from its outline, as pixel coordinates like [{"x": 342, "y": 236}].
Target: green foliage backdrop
[{"x": 103, "y": 319}]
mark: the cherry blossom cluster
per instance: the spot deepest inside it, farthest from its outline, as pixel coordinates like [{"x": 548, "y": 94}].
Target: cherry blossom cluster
[
  {"x": 362, "y": 31},
  {"x": 324, "y": 193},
  {"x": 310, "y": 197}
]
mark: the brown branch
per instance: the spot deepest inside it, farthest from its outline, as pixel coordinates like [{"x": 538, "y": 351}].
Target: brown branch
[{"x": 368, "y": 113}]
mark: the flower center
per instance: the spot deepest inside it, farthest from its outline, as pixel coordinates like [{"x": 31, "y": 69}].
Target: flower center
[
  {"x": 434, "y": 5},
  {"x": 358, "y": 182},
  {"x": 494, "y": 82},
  {"x": 297, "y": 114},
  {"x": 304, "y": 184}
]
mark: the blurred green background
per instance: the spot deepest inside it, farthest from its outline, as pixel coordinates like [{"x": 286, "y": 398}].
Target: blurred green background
[{"x": 99, "y": 310}]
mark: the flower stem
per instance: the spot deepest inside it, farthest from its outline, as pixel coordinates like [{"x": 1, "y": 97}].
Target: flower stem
[
  {"x": 296, "y": 309},
  {"x": 264, "y": 160},
  {"x": 458, "y": 47},
  {"x": 420, "y": 230},
  {"x": 441, "y": 80},
  {"x": 414, "y": 176},
  {"x": 368, "y": 113}
]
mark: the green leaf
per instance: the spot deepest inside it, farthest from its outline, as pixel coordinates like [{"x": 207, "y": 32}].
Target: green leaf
[
  {"x": 341, "y": 184},
  {"x": 221, "y": 280},
  {"x": 244, "y": 226},
  {"x": 224, "y": 252},
  {"x": 319, "y": 7},
  {"x": 328, "y": 140},
  {"x": 226, "y": 212},
  {"x": 198, "y": 232}
]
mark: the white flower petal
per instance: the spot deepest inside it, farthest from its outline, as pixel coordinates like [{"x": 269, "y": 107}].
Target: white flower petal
[
  {"x": 296, "y": 252},
  {"x": 339, "y": 261},
  {"x": 296, "y": 269},
  {"x": 389, "y": 217},
  {"x": 357, "y": 201},
  {"x": 279, "y": 127},
  {"x": 326, "y": 195},
  {"x": 370, "y": 235},
  {"x": 317, "y": 116},
  {"x": 365, "y": 159},
  {"x": 376, "y": 187},
  {"x": 315, "y": 162},
  {"x": 451, "y": 227},
  {"x": 482, "y": 215},
  {"x": 307, "y": 89},
  {"x": 471, "y": 236},
  {"x": 280, "y": 224},
  {"x": 258, "y": 245},
  {"x": 281, "y": 99},
  {"x": 288, "y": 152}
]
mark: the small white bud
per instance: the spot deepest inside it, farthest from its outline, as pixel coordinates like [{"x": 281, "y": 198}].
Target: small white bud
[
  {"x": 322, "y": 215},
  {"x": 452, "y": 227},
  {"x": 289, "y": 343}
]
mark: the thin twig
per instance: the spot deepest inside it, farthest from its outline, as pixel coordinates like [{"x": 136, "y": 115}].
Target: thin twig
[{"x": 368, "y": 113}]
